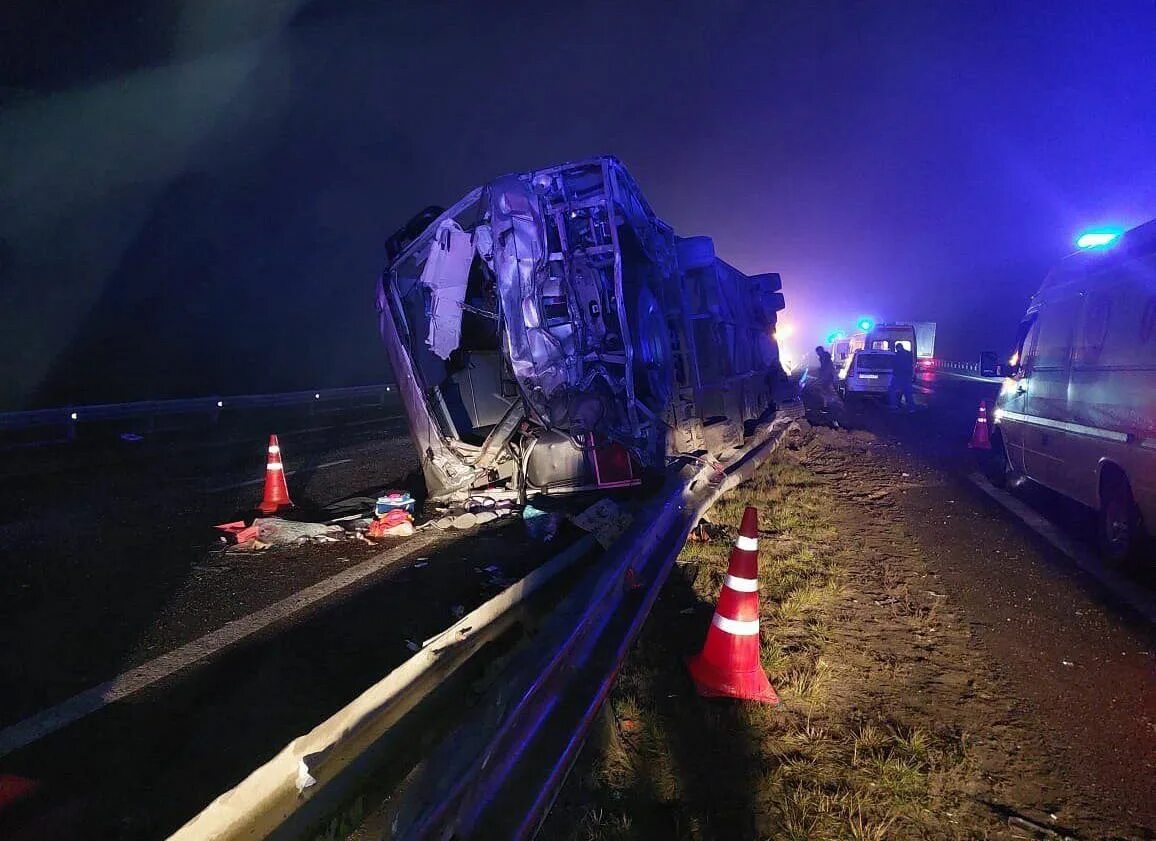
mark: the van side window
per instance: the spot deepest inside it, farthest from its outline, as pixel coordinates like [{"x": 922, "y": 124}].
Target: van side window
[
  {"x": 1057, "y": 327},
  {"x": 1097, "y": 315},
  {"x": 1024, "y": 343}
]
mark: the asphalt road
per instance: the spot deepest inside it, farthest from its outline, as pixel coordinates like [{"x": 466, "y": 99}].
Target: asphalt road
[{"x": 108, "y": 555}]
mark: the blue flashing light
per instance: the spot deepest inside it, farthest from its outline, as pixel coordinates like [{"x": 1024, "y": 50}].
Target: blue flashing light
[
  {"x": 835, "y": 336},
  {"x": 1099, "y": 238},
  {"x": 865, "y": 324}
]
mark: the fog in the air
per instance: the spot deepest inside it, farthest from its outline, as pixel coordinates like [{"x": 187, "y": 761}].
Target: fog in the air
[{"x": 193, "y": 195}]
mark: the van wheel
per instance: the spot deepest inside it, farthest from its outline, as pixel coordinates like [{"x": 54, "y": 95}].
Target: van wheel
[
  {"x": 995, "y": 464},
  {"x": 1119, "y": 519}
]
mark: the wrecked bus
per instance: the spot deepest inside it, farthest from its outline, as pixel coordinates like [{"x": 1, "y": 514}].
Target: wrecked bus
[{"x": 548, "y": 332}]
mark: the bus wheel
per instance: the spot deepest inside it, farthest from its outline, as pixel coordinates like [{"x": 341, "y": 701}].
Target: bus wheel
[{"x": 1119, "y": 519}]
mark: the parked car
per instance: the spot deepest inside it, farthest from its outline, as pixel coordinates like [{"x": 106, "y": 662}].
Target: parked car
[
  {"x": 1078, "y": 412},
  {"x": 867, "y": 372}
]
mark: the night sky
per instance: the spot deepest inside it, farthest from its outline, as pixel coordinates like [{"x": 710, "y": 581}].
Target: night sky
[{"x": 194, "y": 195}]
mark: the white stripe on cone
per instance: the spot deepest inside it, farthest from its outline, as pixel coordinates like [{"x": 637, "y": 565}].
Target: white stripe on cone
[
  {"x": 274, "y": 466},
  {"x": 274, "y": 450},
  {"x": 742, "y": 585},
  {"x": 747, "y": 544},
  {"x": 736, "y": 627}
]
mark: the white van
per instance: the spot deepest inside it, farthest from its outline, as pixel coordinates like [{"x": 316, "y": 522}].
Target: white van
[{"x": 1078, "y": 412}]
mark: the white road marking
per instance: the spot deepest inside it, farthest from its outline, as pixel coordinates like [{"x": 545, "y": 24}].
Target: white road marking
[
  {"x": 48, "y": 721},
  {"x": 249, "y": 482},
  {"x": 1114, "y": 582}
]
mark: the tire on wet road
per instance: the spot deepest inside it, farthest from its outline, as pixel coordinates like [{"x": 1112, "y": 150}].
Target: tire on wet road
[{"x": 1119, "y": 528}]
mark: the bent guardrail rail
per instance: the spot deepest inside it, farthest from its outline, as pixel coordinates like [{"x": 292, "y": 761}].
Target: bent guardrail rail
[
  {"x": 568, "y": 665},
  {"x": 544, "y": 712},
  {"x": 304, "y": 782}
]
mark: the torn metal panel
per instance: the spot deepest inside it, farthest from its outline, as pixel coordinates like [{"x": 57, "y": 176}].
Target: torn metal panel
[{"x": 446, "y": 271}]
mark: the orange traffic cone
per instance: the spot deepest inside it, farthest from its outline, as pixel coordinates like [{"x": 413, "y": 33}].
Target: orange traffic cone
[
  {"x": 981, "y": 435},
  {"x": 729, "y": 664},
  {"x": 276, "y": 488}
]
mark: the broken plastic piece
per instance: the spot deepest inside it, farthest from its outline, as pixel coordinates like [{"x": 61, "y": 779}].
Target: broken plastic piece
[{"x": 239, "y": 531}]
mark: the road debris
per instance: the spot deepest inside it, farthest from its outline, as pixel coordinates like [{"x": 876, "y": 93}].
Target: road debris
[
  {"x": 605, "y": 520},
  {"x": 395, "y": 522},
  {"x": 238, "y": 531},
  {"x": 477, "y": 509},
  {"x": 1037, "y": 830},
  {"x": 540, "y": 525},
  {"x": 253, "y": 545},
  {"x": 394, "y": 501},
  {"x": 276, "y": 531}
]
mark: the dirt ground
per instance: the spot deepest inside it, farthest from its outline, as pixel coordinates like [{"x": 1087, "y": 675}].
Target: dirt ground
[{"x": 901, "y": 716}]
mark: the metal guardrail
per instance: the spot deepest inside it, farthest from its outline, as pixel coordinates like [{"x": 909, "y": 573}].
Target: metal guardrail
[
  {"x": 69, "y": 418},
  {"x": 537, "y": 721},
  {"x": 495, "y": 776}
]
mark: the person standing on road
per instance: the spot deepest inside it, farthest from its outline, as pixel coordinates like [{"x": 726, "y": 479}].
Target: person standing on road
[
  {"x": 826, "y": 369},
  {"x": 902, "y": 379},
  {"x": 825, "y": 385}
]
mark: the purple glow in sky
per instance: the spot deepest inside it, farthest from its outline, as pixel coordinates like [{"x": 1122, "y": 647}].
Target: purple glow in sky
[{"x": 195, "y": 194}]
